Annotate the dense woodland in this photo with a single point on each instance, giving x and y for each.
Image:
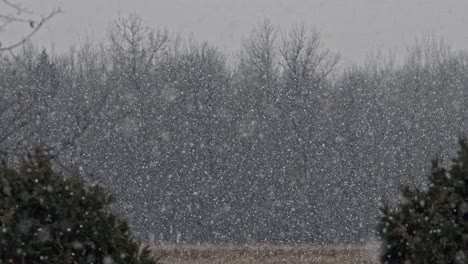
(281, 143)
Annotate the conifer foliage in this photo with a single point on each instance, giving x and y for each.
(46, 217)
(430, 225)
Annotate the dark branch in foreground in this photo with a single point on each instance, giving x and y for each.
(18, 8)
(35, 30)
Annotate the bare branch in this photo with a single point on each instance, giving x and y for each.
(10, 19)
(35, 30)
(160, 42)
(18, 8)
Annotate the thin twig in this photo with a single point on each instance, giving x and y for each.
(8, 18)
(39, 25)
(18, 8)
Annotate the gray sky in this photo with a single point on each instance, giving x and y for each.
(350, 27)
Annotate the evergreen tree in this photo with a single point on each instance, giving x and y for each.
(430, 225)
(48, 218)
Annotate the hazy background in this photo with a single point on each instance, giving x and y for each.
(270, 150)
(349, 27)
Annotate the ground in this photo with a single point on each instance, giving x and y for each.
(349, 254)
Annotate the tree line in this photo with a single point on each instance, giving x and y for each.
(280, 144)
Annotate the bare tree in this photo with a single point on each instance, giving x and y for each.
(258, 55)
(305, 67)
(14, 13)
(304, 59)
(134, 47)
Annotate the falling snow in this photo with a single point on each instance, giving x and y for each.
(281, 145)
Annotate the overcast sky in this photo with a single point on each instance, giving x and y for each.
(350, 27)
